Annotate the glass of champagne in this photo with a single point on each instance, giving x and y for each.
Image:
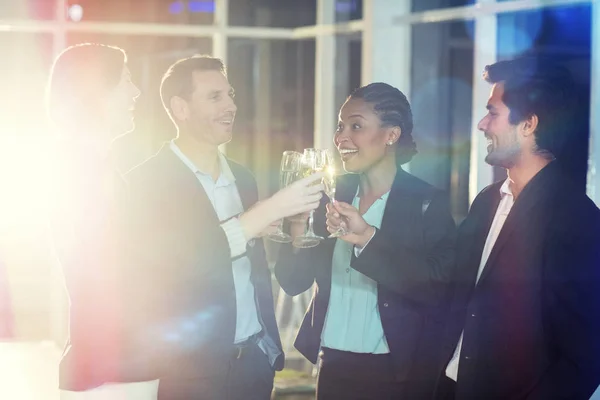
(290, 167)
(329, 182)
(313, 160)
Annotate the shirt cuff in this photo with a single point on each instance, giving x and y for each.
(235, 236)
(358, 250)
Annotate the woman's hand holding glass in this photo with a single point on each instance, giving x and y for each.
(340, 213)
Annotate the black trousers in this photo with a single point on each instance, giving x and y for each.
(355, 376)
(250, 377)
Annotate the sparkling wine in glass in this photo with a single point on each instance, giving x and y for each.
(329, 182)
(313, 160)
(290, 166)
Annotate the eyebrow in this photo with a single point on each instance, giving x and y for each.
(356, 116)
(219, 91)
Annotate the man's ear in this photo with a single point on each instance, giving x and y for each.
(179, 108)
(530, 125)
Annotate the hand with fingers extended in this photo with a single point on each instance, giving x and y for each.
(300, 197)
(340, 214)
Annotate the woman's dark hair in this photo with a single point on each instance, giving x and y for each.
(80, 76)
(533, 86)
(393, 109)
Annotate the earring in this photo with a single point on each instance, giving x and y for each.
(390, 143)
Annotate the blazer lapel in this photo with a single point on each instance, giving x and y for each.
(537, 190)
(245, 187)
(346, 188)
(398, 211)
(185, 180)
(474, 231)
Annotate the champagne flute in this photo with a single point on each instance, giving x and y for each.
(313, 160)
(329, 182)
(290, 166)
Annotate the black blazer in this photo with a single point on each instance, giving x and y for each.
(410, 258)
(181, 249)
(532, 322)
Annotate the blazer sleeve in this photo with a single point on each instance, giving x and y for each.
(572, 309)
(296, 270)
(418, 274)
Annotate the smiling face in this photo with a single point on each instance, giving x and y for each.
(210, 111)
(360, 138)
(504, 141)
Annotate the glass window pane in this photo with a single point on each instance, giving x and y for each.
(428, 5)
(25, 9)
(348, 10)
(441, 97)
(273, 13)
(562, 34)
(197, 12)
(274, 82)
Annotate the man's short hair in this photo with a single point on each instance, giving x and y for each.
(534, 86)
(178, 80)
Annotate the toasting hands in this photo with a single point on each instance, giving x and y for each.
(346, 215)
(300, 197)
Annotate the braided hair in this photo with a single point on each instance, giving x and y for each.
(393, 109)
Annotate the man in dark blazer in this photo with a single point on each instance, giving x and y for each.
(197, 224)
(525, 314)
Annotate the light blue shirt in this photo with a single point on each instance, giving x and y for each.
(353, 322)
(225, 199)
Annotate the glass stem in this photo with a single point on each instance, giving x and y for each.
(310, 232)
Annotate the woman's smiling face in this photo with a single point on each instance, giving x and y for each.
(360, 138)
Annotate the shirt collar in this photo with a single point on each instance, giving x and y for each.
(226, 175)
(505, 188)
(382, 197)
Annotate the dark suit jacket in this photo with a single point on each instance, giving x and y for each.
(532, 322)
(410, 258)
(190, 307)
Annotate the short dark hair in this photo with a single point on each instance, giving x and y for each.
(535, 86)
(179, 81)
(393, 109)
(79, 76)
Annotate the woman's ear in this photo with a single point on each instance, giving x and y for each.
(393, 135)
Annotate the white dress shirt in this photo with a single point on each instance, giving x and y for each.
(506, 203)
(352, 322)
(225, 199)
